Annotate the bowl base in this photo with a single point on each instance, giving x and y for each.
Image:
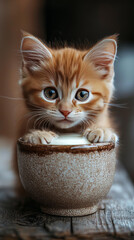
(70, 212)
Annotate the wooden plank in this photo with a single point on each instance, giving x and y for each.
(23, 233)
(58, 226)
(21, 218)
(116, 213)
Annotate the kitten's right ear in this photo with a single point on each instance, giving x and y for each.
(33, 52)
(102, 55)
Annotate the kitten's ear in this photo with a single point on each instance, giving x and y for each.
(102, 55)
(33, 52)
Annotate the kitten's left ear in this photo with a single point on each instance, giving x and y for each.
(33, 52)
(102, 55)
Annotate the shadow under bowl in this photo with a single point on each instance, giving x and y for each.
(67, 180)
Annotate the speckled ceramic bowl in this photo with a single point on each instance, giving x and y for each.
(67, 180)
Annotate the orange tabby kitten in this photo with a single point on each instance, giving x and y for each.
(68, 90)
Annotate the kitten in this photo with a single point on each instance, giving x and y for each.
(68, 90)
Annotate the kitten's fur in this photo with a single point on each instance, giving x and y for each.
(68, 70)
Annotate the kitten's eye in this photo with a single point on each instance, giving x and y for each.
(50, 93)
(82, 95)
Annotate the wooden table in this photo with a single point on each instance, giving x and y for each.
(22, 219)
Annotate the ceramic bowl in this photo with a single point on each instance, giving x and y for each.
(67, 180)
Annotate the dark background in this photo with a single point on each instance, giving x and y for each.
(81, 20)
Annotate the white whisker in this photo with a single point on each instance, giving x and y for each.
(116, 105)
(11, 98)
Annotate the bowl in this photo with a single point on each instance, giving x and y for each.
(67, 180)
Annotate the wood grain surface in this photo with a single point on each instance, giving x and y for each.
(22, 219)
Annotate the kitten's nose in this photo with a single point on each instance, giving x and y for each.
(65, 113)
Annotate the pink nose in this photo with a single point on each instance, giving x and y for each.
(65, 113)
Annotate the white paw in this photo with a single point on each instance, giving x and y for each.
(39, 137)
(101, 135)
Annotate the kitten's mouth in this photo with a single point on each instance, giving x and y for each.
(65, 120)
(65, 123)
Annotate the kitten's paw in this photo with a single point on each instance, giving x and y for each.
(101, 135)
(39, 137)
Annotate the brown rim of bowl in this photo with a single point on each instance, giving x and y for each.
(49, 149)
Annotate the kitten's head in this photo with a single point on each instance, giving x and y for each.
(67, 87)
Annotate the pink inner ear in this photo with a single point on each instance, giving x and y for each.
(102, 60)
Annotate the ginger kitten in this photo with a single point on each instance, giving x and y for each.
(68, 90)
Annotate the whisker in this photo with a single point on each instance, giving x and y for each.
(36, 121)
(11, 98)
(40, 123)
(36, 106)
(31, 113)
(34, 115)
(123, 105)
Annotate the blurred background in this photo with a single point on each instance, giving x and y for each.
(77, 22)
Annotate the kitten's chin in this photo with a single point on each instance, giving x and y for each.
(65, 124)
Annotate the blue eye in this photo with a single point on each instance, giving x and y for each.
(50, 93)
(82, 95)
